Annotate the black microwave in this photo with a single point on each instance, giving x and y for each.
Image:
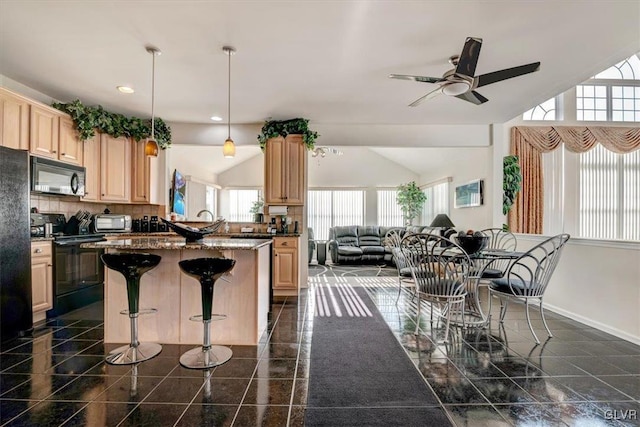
(53, 177)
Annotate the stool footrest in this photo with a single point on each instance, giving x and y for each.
(214, 317)
(199, 358)
(142, 311)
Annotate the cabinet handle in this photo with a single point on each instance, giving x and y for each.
(38, 251)
(102, 194)
(54, 151)
(276, 254)
(284, 243)
(62, 154)
(49, 265)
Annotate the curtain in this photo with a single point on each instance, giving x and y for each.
(529, 142)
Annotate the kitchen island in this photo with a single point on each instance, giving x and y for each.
(242, 295)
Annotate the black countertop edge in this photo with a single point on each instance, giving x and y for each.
(224, 235)
(42, 239)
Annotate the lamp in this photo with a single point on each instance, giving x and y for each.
(229, 148)
(151, 147)
(442, 221)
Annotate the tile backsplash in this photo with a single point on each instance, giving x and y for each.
(69, 205)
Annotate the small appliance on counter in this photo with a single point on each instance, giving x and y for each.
(112, 223)
(148, 225)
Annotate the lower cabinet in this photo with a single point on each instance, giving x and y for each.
(285, 266)
(41, 279)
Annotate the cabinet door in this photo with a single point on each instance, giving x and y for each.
(91, 162)
(274, 191)
(140, 170)
(43, 132)
(294, 165)
(41, 283)
(70, 146)
(115, 169)
(285, 268)
(14, 121)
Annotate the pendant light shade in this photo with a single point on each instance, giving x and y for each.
(229, 148)
(151, 147)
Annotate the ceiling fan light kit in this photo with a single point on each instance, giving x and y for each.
(461, 81)
(151, 146)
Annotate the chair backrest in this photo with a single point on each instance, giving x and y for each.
(500, 239)
(392, 240)
(439, 267)
(344, 235)
(536, 266)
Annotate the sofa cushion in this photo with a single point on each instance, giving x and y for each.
(372, 249)
(369, 236)
(344, 235)
(349, 250)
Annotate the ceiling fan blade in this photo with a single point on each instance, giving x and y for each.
(508, 73)
(430, 95)
(469, 57)
(473, 97)
(421, 79)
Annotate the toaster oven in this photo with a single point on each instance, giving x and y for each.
(112, 223)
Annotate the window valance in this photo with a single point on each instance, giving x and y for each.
(579, 139)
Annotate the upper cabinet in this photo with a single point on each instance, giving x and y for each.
(14, 121)
(43, 131)
(115, 169)
(285, 166)
(70, 148)
(140, 173)
(92, 165)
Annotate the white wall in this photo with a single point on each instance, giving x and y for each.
(21, 89)
(249, 173)
(194, 161)
(464, 165)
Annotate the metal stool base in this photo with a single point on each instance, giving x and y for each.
(198, 358)
(128, 355)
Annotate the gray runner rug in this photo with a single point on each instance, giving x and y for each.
(359, 373)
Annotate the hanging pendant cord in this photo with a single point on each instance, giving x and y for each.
(229, 98)
(153, 93)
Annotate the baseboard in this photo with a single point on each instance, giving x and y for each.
(590, 322)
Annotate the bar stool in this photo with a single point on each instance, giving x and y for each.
(207, 271)
(132, 266)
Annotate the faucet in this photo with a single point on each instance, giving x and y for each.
(206, 211)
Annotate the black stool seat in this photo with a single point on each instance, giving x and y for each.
(207, 271)
(132, 266)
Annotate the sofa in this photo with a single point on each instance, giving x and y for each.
(357, 244)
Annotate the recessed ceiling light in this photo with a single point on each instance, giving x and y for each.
(125, 89)
(216, 118)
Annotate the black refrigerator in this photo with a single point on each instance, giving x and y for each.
(16, 316)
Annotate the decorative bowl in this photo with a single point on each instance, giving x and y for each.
(472, 244)
(189, 233)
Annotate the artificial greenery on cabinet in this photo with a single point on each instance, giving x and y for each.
(511, 182)
(411, 199)
(275, 128)
(89, 118)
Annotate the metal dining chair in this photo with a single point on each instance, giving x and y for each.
(392, 240)
(502, 240)
(440, 270)
(527, 278)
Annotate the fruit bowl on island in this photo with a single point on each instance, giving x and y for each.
(193, 234)
(472, 242)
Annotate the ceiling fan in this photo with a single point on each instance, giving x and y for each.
(461, 81)
(322, 151)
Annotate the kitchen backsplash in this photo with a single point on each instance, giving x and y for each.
(70, 205)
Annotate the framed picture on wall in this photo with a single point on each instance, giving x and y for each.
(469, 195)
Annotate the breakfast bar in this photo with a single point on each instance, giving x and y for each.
(242, 295)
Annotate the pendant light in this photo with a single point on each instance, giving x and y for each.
(229, 148)
(151, 147)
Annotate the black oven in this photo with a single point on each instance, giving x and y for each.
(78, 273)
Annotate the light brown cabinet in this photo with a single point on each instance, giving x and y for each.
(140, 173)
(70, 148)
(115, 169)
(285, 167)
(14, 121)
(43, 131)
(41, 279)
(285, 265)
(91, 162)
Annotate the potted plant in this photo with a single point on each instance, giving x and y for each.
(275, 128)
(256, 210)
(411, 199)
(512, 178)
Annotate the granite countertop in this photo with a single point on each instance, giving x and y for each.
(42, 239)
(228, 235)
(177, 243)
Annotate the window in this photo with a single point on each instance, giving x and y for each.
(545, 111)
(389, 212)
(593, 195)
(210, 200)
(240, 202)
(328, 208)
(437, 201)
(612, 95)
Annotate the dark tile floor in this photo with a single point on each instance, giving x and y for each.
(581, 377)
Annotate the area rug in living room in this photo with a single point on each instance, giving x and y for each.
(359, 373)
